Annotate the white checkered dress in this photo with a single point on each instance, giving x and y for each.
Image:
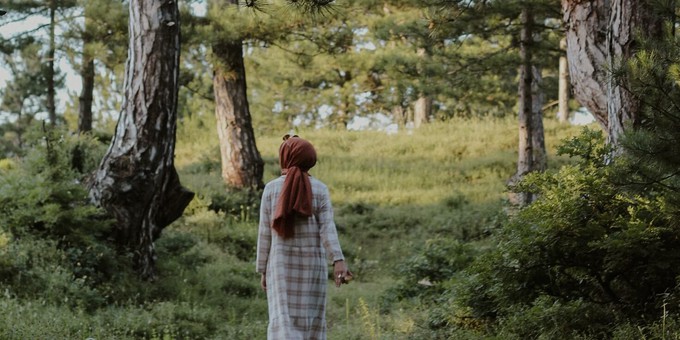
(296, 268)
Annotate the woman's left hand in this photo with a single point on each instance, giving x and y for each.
(339, 272)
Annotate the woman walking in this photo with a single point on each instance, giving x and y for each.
(296, 236)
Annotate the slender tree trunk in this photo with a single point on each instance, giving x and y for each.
(600, 35)
(525, 162)
(242, 165)
(422, 111)
(423, 107)
(399, 115)
(51, 92)
(563, 88)
(86, 95)
(137, 181)
(540, 156)
(87, 77)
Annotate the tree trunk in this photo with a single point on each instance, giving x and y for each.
(525, 158)
(540, 156)
(137, 181)
(51, 92)
(87, 77)
(422, 111)
(242, 165)
(399, 115)
(600, 35)
(563, 88)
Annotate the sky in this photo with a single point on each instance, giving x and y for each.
(72, 79)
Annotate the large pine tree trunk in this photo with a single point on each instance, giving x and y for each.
(600, 35)
(137, 181)
(242, 166)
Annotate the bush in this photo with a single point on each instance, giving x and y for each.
(55, 242)
(424, 274)
(588, 247)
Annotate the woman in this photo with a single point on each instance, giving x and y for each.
(296, 232)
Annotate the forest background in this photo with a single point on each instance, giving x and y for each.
(454, 226)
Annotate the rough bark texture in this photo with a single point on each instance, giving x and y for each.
(600, 35)
(242, 166)
(586, 27)
(422, 111)
(627, 16)
(137, 181)
(563, 87)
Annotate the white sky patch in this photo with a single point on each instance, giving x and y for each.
(360, 43)
(581, 117)
(324, 111)
(72, 83)
(374, 121)
(199, 9)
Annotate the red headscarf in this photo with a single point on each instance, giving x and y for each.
(296, 157)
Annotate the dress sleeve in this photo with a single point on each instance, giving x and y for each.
(264, 235)
(329, 234)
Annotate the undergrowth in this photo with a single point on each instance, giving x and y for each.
(411, 208)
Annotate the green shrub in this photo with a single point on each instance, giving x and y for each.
(424, 274)
(55, 241)
(588, 247)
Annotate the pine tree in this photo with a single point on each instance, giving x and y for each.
(23, 95)
(49, 9)
(137, 182)
(242, 165)
(535, 45)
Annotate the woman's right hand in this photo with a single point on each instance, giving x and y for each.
(263, 282)
(340, 272)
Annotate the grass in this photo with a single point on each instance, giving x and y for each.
(392, 195)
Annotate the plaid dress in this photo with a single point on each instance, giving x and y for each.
(296, 268)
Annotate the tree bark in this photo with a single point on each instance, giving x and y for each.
(51, 91)
(399, 115)
(242, 165)
(87, 77)
(600, 35)
(137, 181)
(525, 158)
(422, 111)
(563, 87)
(540, 156)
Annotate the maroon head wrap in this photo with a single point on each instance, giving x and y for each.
(296, 157)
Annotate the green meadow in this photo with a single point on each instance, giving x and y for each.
(396, 197)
